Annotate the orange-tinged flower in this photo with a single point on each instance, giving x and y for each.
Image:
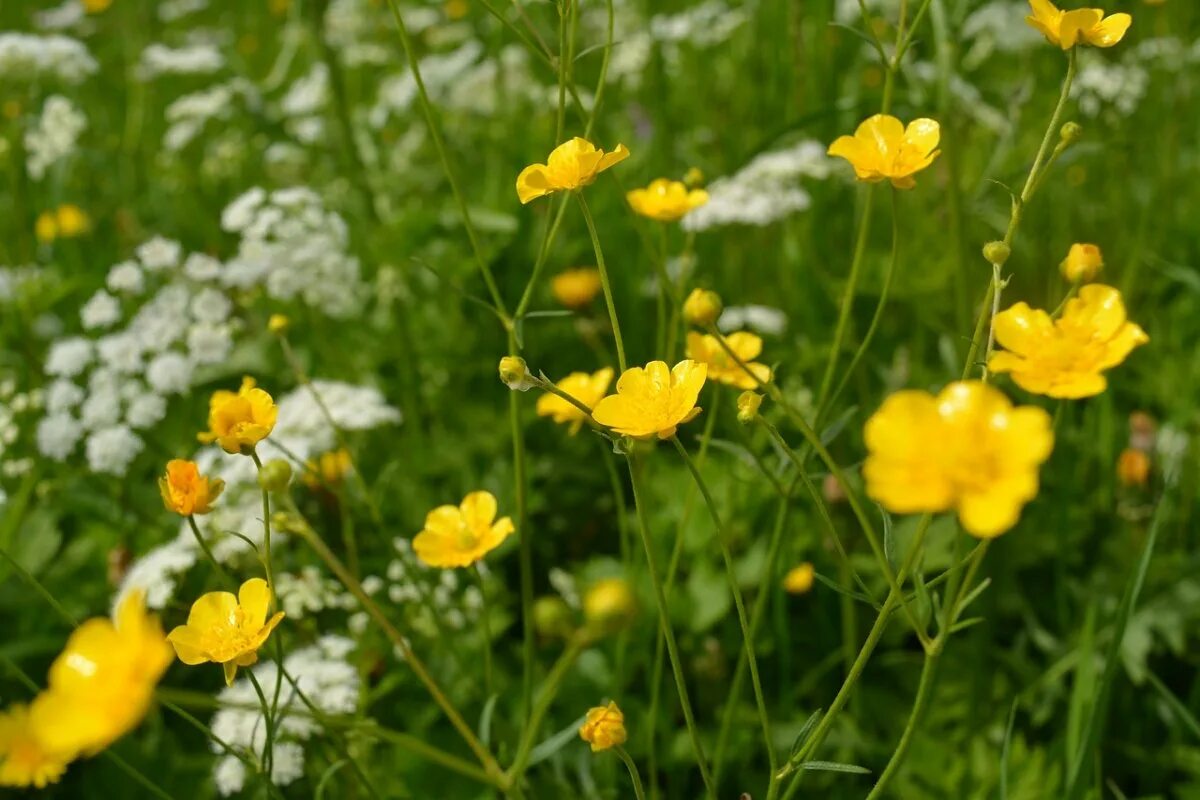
(799, 579)
(1082, 26)
(653, 400)
(101, 685)
(185, 491)
(587, 389)
(575, 288)
(227, 629)
(721, 367)
(1082, 263)
(572, 165)
(966, 449)
(25, 760)
(604, 727)
(883, 149)
(458, 536)
(1133, 467)
(666, 200)
(1066, 357)
(237, 421)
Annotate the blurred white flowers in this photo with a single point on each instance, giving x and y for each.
(53, 137)
(27, 57)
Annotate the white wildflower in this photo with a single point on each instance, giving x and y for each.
(201, 267)
(194, 59)
(169, 373)
(112, 449)
(68, 357)
(145, 411)
(27, 57)
(101, 311)
(159, 254)
(101, 409)
(53, 137)
(57, 435)
(62, 395)
(157, 572)
(210, 305)
(761, 319)
(121, 352)
(126, 277)
(209, 344)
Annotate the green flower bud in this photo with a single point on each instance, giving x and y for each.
(275, 475)
(997, 253)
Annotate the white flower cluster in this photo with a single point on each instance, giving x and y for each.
(456, 605)
(764, 191)
(187, 115)
(174, 10)
(760, 319)
(16, 281)
(352, 27)
(295, 248)
(199, 58)
(1103, 84)
(310, 592)
(303, 105)
(14, 404)
(327, 680)
(705, 25)
(68, 15)
(28, 57)
(52, 138)
(440, 71)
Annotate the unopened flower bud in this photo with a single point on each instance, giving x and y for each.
(515, 373)
(278, 323)
(275, 475)
(1070, 133)
(702, 307)
(1082, 263)
(799, 579)
(997, 253)
(552, 619)
(693, 177)
(748, 403)
(609, 604)
(1133, 467)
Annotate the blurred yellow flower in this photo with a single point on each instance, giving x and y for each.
(278, 323)
(575, 288)
(459, 536)
(604, 727)
(609, 602)
(748, 403)
(1082, 26)
(654, 400)
(1065, 357)
(587, 389)
(665, 200)
(226, 629)
(882, 148)
(328, 469)
(1082, 263)
(24, 759)
(1133, 467)
(966, 449)
(799, 579)
(65, 222)
(96, 6)
(101, 685)
(237, 421)
(702, 307)
(185, 491)
(721, 367)
(572, 165)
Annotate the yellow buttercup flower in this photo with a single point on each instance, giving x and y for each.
(575, 288)
(654, 400)
(185, 491)
(1082, 26)
(237, 421)
(666, 200)
(572, 165)
(101, 685)
(702, 307)
(966, 449)
(748, 403)
(721, 367)
(883, 149)
(1082, 263)
(609, 602)
(604, 727)
(226, 629)
(587, 389)
(1066, 357)
(278, 324)
(25, 760)
(328, 469)
(65, 222)
(458, 536)
(799, 579)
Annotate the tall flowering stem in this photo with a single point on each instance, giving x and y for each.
(191, 519)
(266, 510)
(604, 282)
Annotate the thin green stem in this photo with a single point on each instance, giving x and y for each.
(638, 792)
(525, 547)
(924, 694)
(539, 264)
(268, 752)
(545, 697)
(220, 570)
(485, 632)
(266, 511)
(604, 281)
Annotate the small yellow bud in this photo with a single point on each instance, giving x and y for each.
(799, 579)
(748, 403)
(609, 604)
(693, 178)
(604, 727)
(1082, 263)
(702, 307)
(278, 323)
(552, 619)
(275, 475)
(515, 373)
(1070, 133)
(997, 253)
(1133, 467)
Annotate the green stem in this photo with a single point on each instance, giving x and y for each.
(485, 633)
(638, 792)
(525, 543)
(924, 694)
(207, 550)
(266, 510)
(543, 253)
(268, 753)
(604, 282)
(664, 621)
(545, 697)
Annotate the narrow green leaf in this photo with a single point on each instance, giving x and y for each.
(556, 742)
(833, 766)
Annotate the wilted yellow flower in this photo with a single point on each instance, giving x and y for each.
(604, 727)
(665, 200)
(702, 307)
(572, 165)
(1082, 26)
(101, 685)
(227, 629)
(1133, 467)
(25, 760)
(185, 491)
(1066, 357)
(654, 400)
(575, 288)
(587, 389)
(609, 603)
(1082, 263)
(882, 148)
(328, 469)
(966, 449)
(799, 579)
(278, 323)
(458, 536)
(721, 367)
(237, 421)
(748, 403)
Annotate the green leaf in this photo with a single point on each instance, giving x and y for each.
(805, 731)
(556, 742)
(834, 766)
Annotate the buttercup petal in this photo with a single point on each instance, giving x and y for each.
(444, 520)
(988, 514)
(747, 346)
(1021, 329)
(619, 154)
(212, 609)
(230, 672)
(923, 134)
(478, 510)
(1110, 30)
(254, 597)
(189, 645)
(1127, 338)
(533, 182)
